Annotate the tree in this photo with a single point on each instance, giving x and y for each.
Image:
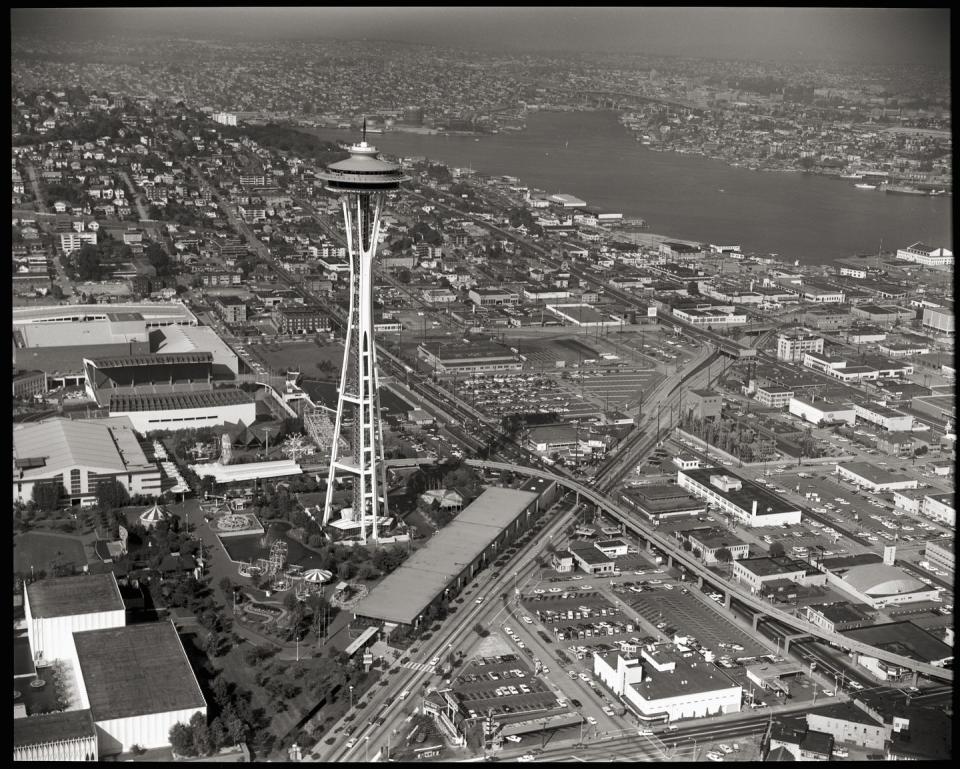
(345, 570)
(724, 555)
(201, 735)
(46, 495)
(776, 550)
(88, 263)
(111, 495)
(159, 259)
(404, 276)
(181, 739)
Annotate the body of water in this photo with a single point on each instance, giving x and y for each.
(590, 155)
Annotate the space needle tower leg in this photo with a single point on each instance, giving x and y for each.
(361, 181)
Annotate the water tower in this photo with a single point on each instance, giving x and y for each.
(361, 181)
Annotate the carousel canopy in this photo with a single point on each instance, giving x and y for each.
(155, 513)
(317, 575)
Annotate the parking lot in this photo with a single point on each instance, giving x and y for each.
(501, 394)
(685, 614)
(502, 684)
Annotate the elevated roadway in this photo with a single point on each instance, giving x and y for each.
(733, 591)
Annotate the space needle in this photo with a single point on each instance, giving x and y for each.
(361, 181)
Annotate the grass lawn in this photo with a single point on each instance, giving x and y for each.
(38, 550)
(304, 356)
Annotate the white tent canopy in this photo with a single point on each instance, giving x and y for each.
(248, 472)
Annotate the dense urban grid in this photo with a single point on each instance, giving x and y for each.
(646, 498)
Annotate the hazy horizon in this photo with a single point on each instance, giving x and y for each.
(853, 35)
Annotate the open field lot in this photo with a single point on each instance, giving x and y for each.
(308, 356)
(687, 615)
(39, 550)
(623, 388)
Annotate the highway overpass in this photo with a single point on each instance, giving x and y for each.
(676, 552)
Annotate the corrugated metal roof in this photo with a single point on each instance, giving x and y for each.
(178, 400)
(95, 444)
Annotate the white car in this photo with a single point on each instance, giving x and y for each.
(586, 587)
(591, 720)
(526, 757)
(725, 748)
(434, 662)
(479, 600)
(556, 590)
(351, 742)
(714, 756)
(527, 619)
(512, 738)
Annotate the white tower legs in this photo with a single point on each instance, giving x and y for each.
(358, 375)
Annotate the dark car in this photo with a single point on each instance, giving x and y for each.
(576, 703)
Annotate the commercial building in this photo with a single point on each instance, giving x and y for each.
(903, 638)
(849, 725)
(822, 411)
(926, 256)
(884, 417)
(662, 686)
(868, 476)
(748, 502)
(818, 293)
(78, 455)
(710, 317)
(838, 616)
(940, 508)
(791, 346)
(474, 358)
(591, 559)
(74, 241)
(709, 540)
(791, 744)
(756, 572)
(881, 314)
(939, 319)
(26, 384)
(106, 377)
(493, 297)
(941, 554)
(452, 557)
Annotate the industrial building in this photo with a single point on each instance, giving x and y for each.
(838, 616)
(661, 686)
(703, 403)
(822, 411)
(940, 508)
(78, 455)
(474, 358)
(661, 502)
(883, 416)
(868, 476)
(452, 557)
(848, 724)
(921, 254)
(756, 572)
(748, 502)
(939, 319)
(903, 638)
(774, 397)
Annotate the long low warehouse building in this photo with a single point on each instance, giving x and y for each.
(451, 558)
(748, 502)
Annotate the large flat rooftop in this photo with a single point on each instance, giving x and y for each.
(68, 596)
(745, 496)
(136, 670)
(406, 592)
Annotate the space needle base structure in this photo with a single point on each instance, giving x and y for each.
(362, 182)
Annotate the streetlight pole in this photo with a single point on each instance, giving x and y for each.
(351, 696)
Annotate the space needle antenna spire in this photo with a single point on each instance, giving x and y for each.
(361, 182)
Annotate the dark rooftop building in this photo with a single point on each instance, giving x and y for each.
(136, 670)
(68, 596)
